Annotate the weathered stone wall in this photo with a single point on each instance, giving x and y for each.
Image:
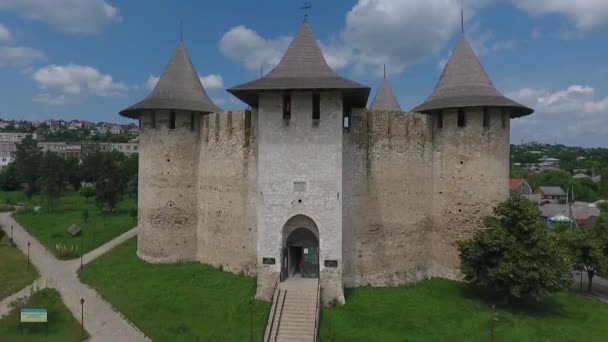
(388, 186)
(300, 152)
(471, 175)
(167, 199)
(226, 188)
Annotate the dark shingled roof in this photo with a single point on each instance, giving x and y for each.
(179, 88)
(385, 99)
(303, 67)
(464, 83)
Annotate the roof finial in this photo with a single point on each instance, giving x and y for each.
(462, 16)
(307, 7)
(385, 71)
(181, 31)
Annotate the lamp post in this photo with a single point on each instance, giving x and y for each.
(82, 316)
(12, 240)
(28, 256)
(81, 250)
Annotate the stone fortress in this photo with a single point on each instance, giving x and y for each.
(309, 183)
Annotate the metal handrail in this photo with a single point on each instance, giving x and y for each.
(277, 294)
(317, 312)
(280, 316)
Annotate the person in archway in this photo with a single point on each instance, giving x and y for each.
(301, 266)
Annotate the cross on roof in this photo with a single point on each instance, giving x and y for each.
(307, 7)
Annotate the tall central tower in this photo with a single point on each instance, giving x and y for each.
(302, 105)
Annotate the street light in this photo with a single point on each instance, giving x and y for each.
(82, 316)
(28, 256)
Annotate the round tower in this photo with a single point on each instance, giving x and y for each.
(169, 120)
(471, 131)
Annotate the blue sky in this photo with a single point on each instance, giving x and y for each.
(89, 59)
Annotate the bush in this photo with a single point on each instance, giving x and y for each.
(6, 208)
(516, 257)
(66, 252)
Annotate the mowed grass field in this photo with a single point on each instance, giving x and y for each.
(61, 326)
(443, 310)
(14, 271)
(50, 226)
(180, 302)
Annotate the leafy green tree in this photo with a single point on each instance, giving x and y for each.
(9, 178)
(51, 181)
(27, 162)
(110, 185)
(87, 192)
(586, 253)
(72, 172)
(515, 256)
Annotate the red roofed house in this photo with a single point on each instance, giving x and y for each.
(520, 186)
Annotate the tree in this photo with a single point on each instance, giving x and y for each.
(515, 256)
(87, 192)
(585, 249)
(27, 161)
(9, 178)
(51, 172)
(110, 185)
(72, 173)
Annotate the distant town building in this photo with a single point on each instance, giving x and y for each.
(15, 137)
(520, 186)
(553, 194)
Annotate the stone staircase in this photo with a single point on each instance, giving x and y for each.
(295, 311)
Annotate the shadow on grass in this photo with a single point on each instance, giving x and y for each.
(548, 307)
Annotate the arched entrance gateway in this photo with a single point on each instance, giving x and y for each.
(300, 256)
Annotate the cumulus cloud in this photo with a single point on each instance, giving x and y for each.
(413, 28)
(19, 56)
(68, 83)
(76, 16)
(575, 115)
(5, 34)
(576, 99)
(586, 14)
(249, 48)
(210, 82)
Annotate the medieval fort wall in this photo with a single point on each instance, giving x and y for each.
(167, 199)
(471, 175)
(226, 189)
(387, 181)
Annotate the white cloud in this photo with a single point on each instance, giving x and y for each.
(576, 99)
(213, 81)
(5, 34)
(19, 56)
(586, 14)
(77, 16)
(68, 83)
(249, 48)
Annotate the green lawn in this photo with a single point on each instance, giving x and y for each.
(182, 302)
(49, 226)
(442, 310)
(14, 273)
(61, 326)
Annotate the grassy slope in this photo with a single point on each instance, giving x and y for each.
(14, 273)
(441, 310)
(183, 302)
(49, 227)
(61, 326)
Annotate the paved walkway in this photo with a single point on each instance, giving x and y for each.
(100, 320)
(599, 287)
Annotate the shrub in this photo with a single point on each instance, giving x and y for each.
(66, 252)
(516, 257)
(6, 208)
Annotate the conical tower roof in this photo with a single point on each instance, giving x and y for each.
(464, 83)
(385, 98)
(303, 67)
(179, 88)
